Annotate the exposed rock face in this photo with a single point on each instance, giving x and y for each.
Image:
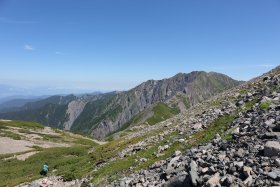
(74, 109)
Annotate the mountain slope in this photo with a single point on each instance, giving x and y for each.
(193, 88)
(107, 113)
(13, 104)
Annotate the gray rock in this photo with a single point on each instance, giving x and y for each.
(214, 180)
(275, 174)
(197, 126)
(269, 122)
(238, 164)
(122, 184)
(248, 181)
(193, 173)
(277, 162)
(272, 148)
(240, 103)
(276, 128)
(249, 94)
(240, 153)
(222, 157)
(204, 170)
(181, 140)
(272, 175)
(143, 160)
(236, 131)
(226, 180)
(177, 153)
(178, 181)
(247, 171)
(270, 135)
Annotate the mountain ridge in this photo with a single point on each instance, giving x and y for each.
(107, 113)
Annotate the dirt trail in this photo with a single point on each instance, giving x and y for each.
(98, 142)
(26, 155)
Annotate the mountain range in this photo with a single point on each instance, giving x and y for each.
(100, 115)
(230, 139)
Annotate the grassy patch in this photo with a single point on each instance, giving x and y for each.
(84, 141)
(25, 131)
(50, 137)
(5, 133)
(219, 126)
(228, 134)
(8, 155)
(251, 103)
(3, 127)
(37, 148)
(65, 160)
(243, 92)
(265, 105)
(22, 124)
(162, 112)
(115, 169)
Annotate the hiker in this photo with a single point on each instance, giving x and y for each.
(45, 169)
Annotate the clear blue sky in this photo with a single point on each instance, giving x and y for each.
(116, 44)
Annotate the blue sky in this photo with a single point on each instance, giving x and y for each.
(117, 44)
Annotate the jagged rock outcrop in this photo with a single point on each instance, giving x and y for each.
(74, 109)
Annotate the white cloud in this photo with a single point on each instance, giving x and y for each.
(28, 47)
(266, 65)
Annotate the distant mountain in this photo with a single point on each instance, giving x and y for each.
(8, 92)
(103, 114)
(13, 104)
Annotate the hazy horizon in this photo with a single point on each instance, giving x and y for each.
(22, 91)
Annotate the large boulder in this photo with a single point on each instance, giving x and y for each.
(193, 173)
(178, 181)
(272, 148)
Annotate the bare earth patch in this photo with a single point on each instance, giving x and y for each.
(8, 145)
(98, 142)
(5, 120)
(26, 155)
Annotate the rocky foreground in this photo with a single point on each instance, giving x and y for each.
(250, 158)
(57, 182)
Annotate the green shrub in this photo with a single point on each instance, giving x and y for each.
(22, 124)
(65, 159)
(265, 105)
(69, 176)
(162, 112)
(10, 134)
